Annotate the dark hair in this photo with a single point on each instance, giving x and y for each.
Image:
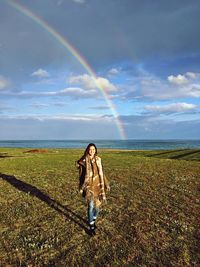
(87, 149)
(86, 152)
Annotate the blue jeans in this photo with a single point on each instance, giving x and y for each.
(93, 212)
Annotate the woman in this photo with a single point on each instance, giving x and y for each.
(92, 183)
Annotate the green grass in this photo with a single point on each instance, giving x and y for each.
(150, 218)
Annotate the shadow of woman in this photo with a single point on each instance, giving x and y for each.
(34, 191)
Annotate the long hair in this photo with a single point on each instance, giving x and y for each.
(86, 152)
(87, 149)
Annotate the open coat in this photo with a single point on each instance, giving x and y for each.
(92, 180)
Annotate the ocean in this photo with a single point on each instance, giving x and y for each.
(110, 144)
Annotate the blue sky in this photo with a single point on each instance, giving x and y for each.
(146, 56)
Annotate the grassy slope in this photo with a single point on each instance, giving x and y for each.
(150, 218)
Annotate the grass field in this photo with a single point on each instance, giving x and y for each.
(150, 219)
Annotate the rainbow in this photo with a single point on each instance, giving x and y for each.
(65, 43)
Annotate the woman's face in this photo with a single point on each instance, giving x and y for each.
(91, 151)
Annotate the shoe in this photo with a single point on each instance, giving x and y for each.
(92, 226)
(94, 220)
(92, 230)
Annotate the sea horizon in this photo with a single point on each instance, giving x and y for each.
(132, 144)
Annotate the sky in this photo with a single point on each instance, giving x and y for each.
(99, 69)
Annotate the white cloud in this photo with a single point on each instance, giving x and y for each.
(77, 93)
(41, 117)
(72, 117)
(91, 83)
(79, 1)
(60, 104)
(158, 127)
(178, 80)
(45, 81)
(99, 107)
(60, 126)
(106, 85)
(144, 87)
(192, 75)
(73, 92)
(39, 105)
(3, 83)
(40, 73)
(153, 88)
(195, 90)
(113, 71)
(172, 108)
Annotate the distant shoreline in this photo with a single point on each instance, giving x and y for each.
(122, 145)
(29, 150)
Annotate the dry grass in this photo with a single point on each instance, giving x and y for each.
(151, 216)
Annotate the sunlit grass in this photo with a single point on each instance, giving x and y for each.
(150, 218)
